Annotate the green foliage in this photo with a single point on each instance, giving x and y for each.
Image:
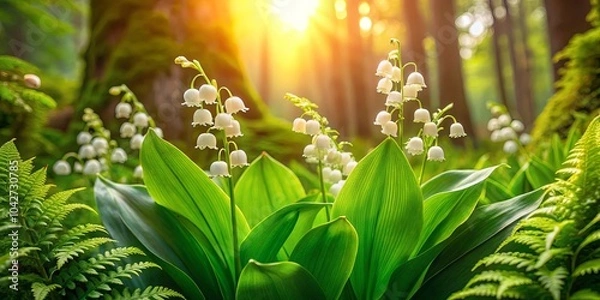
(556, 247)
(43, 257)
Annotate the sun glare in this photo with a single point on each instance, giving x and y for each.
(295, 14)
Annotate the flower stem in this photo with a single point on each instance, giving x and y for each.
(236, 243)
(322, 183)
(423, 163)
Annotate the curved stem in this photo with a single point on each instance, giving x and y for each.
(423, 164)
(322, 183)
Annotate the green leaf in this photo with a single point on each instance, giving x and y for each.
(538, 173)
(175, 182)
(134, 219)
(328, 253)
(519, 183)
(265, 187)
(283, 280)
(382, 200)
(496, 191)
(446, 208)
(585, 294)
(269, 236)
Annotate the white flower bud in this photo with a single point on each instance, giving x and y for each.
(493, 124)
(422, 116)
(92, 167)
(335, 176)
(118, 156)
(430, 129)
(159, 132)
(233, 130)
(235, 104)
(206, 140)
(84, 137)
(336, 187)
(414, 146)
(123, 110)
(100, 145)
(382, 118)
(390, 128)
(416, 78)
(140, 120)
(517, 125)
(393, 98)
(435, 153)
(496, 110)
(136, 141)
(525, 139)
(313, 127)
(77, 167)
(504, 120)
(87, 151)
(202, 117)
(208, 93)
(496, 136)
(323, 142)
(238, 158)
(62, 168)
(384, 85)
(127, 130)
(457, 130)
(333, 157)
(507, 133)
(349, 167)
(138, 172)
(191, 98)
(223, 120)
(510, 147)
(396, 74)
(32, 81)
(346, 157)
(299, 125)
(103, 163)
(310, 151)
(219, 168)
(411, 91)
(180, 59)
(326, 172)
(384, 69)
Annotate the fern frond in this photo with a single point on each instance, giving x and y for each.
(492, 276)
(485, 290)
(586, 294)
(516, 259)
(98, 286)
(56, 209)
(78, 232)
(554, 253)
(531, 238)
(40, 291)
(68, 252)
(588, 267)
(157, 292)
(543, 224)
(553, 281)
(589, 239)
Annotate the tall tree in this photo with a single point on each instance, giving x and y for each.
(413, 47)
(451, 84)
(565, 19)
(497, 27)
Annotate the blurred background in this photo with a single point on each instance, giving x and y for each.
(471, 52)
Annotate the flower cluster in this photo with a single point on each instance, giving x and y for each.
(97, 150)
(223, 122)
(334, 164)
(399, 92)
(505, 129)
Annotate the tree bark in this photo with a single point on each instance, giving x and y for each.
(413, 48)
(565, 19)
(499, 65)
(451, 85)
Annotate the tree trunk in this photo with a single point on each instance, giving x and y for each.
(499, 65)
(413, 48)
(451, 85)
(565, 19)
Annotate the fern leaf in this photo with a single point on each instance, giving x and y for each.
(483, 290)
(114, 278)
(157, 292)
(588, 267)
(66, 253)
(517, 259)
(589, 239)
(586, 294)
(543, 224)
(530, 238)
(554, 253)
(79, 231)
(41, 291)
(553, 281)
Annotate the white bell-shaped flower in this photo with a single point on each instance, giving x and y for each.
(496, 136)
(416, 78)
(62, 168)
(32, 81)
(140, 119)
(430, 129)
(238, 158)
(323, 142)
(313, 127)
(127, 130)
(92, 167)
(118, 156)
(309, 151)
(206, 140)
(333, 157)
(87, 151)
(335, 176)
(233, 130)
(299, 125)
(504, 120)
(103, 163)
(84, 137)
(384, 85)
(223, 120)
(510, 147)
(396, 74)
(336, 188)
(207, 93)
(422, 115)
(435, 153)
(457, 130)
(346, 157)
(390, 128)
(191, 98)
(219, 168)
(349, 167)
(493, 124)
(202, 117)
(507, 133)
(414, 146)
(384, 69)
(235, 104)
(393, 98)
(517, 125)
(326, 172)
(123, 110)
(411, 91)
(159, 132)
(525, 139)
(100, 144)
(138, 172)
(136, 141)
(382, 118)
(77, 167)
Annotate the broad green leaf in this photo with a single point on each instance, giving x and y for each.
(382, 200)
(175, 182)
(519, 183)
(134, 219)
(283, 280)
(479, 236)
(445, 209)
(538, 173)
(269, 236)
(495, 191)
(265, 187)
(328, 253)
